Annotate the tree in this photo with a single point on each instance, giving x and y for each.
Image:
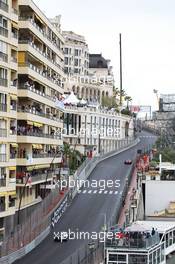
(128, 99)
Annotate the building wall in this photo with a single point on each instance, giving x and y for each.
(158, 195)
(8, 114)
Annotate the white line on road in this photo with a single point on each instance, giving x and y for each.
(89, 191)
(100, 192)
(110, 192)
(84, 191)
(95, 191)
(116, 192)
(105, 192)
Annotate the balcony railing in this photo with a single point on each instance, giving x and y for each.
(3, 82)
(2, 182)
(35, 112)
(30, 88)
(21, 18)
(40, 177)
(3, 157)
(37, 134)
(4, 6)
(3, 32)
(3, 132)
(41, 52)
(44, 155)
(3, 56)
(3, 108)
(41, 72)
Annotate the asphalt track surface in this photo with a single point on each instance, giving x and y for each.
(88, 209)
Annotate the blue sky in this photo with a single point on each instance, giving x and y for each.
(148, 36)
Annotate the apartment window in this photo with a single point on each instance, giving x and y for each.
(66, 60)
(70, 50)
(76, 62)
(66, 50)
(80, 62)
(3, 22)
(76, 52)
(79, 52)
(3, 47)
(66, 69)
(75, 70)
(3, 98)
(3, 73)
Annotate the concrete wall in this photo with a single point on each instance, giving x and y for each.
(158, 195)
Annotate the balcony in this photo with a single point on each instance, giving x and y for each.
(32, 110)
(31, 44)
(31, 133)
(3, 108)
(40, 30)
(37, 92)
(3, 82)
(3, 32)
(35, 179)
(4, 6)
(3, 57)
(3, 132)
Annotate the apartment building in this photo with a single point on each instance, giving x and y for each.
(93, 130)
(40, 75)
(76, 54)
(8, 111)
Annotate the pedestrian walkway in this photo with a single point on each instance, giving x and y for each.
(127, 202)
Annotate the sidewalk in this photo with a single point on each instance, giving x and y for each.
(131, 191)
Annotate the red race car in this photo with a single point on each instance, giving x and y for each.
(128, 162)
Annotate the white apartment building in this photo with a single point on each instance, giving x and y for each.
(94, 130)
(76, 54)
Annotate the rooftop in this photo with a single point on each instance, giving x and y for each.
(161, 226)
(97, 61)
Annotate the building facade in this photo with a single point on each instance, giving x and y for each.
(31, 74)
(40, 71)
(8, 109)
(76, 54)
(90, 129)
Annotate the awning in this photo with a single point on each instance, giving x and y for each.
(42, 166)
(15, 25)
(12, 168)
(37, 124)
(39, 19)
(12, 193)
(30, 123)
(7, 193)
(13, 97)
(34, 124)
(37, 146)
(14, 145)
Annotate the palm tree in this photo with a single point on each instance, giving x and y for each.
(128, 99)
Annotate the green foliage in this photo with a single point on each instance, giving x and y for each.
(168, 153)
(109, 102)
